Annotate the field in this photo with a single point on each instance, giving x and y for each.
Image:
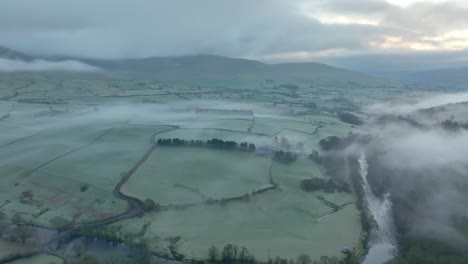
(285, 222)
(175, 175)
(55, 167)
(68, 142)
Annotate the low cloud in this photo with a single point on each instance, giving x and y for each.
(403, 108)
(425, 172)
(44, 65)
(422, 167)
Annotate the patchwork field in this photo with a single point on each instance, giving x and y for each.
(286, 222)
(70, 172)
(67, 143)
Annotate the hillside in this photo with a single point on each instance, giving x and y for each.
(219, 67)
(6, 53)
(212, 67)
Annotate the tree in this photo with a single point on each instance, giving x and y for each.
(213, 254)
(315, 156)
(149, 204)
(21, 234)
(284, 157)
(60, 223)
(349, 118)
(304, 259)
(252, 147)
(229, 254)
(329, 143)
(244, 256)
(279, 260)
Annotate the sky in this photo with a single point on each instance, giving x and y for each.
(380, 35)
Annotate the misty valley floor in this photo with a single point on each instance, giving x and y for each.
(68, 143)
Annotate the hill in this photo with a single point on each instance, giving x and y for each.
(203, 67)
(219, 67)
(6, 53)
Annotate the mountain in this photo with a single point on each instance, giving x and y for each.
(6, 53)
(216, 67)
(450, 79)
(175, 67)
(211, 66)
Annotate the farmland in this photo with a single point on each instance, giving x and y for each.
(81, 148)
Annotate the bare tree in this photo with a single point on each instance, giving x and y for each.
(21, 233)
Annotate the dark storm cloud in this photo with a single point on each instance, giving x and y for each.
(270, 30)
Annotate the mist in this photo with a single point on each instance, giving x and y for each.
(7, 65)
(423, 168)
(418, 102)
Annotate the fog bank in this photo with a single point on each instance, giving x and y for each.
(7, 65)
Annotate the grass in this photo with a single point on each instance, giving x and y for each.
(56, 186)
(101, 163)
(277, 223)
(175, 175)
(272, 126)
(284, 222)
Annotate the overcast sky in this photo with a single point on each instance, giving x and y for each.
(360, 34)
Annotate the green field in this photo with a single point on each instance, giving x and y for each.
(68, 141)
(55, 166)
(177, 175)
(285, 222)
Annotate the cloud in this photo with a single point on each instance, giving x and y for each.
(43, 65)
(254, 29)
(419, 103)
(423, 168)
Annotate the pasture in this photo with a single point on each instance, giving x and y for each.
(67, 142)
(178, 175)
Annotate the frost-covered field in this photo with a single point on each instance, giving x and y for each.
(65, 144)
(178, 175)
(284, 222)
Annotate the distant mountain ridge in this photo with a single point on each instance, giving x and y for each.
(209, 67)
(213, 66)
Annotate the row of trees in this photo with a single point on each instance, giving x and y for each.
(231, 254)
(213, 143)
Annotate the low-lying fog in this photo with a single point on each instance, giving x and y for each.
(422, 164)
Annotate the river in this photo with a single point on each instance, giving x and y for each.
(382, 240)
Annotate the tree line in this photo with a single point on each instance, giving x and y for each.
(233, 254)
(214, 143)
